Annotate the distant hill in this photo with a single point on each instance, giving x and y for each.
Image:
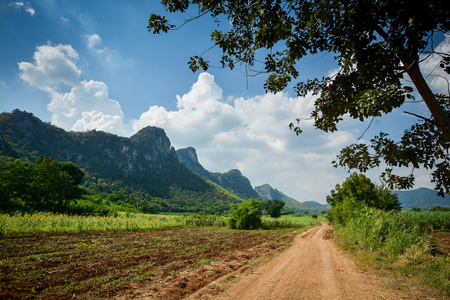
(422, 198)
(233, 180)
(266, 192)
(145, 163)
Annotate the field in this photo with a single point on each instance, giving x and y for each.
(126, 261)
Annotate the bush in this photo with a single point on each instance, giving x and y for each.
(246, 215)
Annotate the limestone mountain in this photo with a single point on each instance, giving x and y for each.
(145, 162)
(266, 192)
(233, 180)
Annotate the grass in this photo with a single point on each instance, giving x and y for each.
(402, 243)
(61, 223)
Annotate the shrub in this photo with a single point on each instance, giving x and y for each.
(246, 215)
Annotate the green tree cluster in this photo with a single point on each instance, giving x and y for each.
(246, 215)
(358, 192)
(42, 185)
(375, 43)
(273, 208)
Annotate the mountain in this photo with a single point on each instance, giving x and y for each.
(145, 162)
(233, 180)
(423, 198)
(266, 192)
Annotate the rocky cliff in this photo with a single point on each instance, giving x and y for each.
(146, 160)
(232, 180)
(266, 192)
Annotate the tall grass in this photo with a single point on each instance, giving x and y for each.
(387, 232)
(400, 242)
(428, 220)
(61, 223)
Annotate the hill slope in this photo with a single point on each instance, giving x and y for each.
(233, 180)
(145, 162)
(266, 192)
(423, 198)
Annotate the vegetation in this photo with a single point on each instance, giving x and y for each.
(367, 220)
(273, 208)
(356, 193)
(246, 215)
(375, 44)
(119, 172)
(401, 242)
(43, 185)
(50, 223)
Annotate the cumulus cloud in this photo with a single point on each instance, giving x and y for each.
(23, 5)
(52, 66)
(87, 105)
(252, 135)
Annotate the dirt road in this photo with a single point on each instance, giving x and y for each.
(311, 269)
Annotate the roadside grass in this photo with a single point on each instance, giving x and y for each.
(167, 263)
(403, 244)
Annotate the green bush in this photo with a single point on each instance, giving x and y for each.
(246, 215)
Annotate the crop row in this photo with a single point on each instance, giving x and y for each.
(62, 223)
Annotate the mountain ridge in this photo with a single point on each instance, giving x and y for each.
(145, 162)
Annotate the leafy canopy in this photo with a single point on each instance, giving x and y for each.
(375, 44)
(273, 208)
(246, 215)
(358, 192)
(43, 185)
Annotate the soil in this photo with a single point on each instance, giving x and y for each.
(311, 269)
(158, 264)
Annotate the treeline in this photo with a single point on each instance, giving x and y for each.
(48, 185)
(43, 185)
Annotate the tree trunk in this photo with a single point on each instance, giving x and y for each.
(439, 115)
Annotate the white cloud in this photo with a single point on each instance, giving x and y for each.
(22, 5)
(64, 19)
(438, 80)
(87, 105)
(53, 66)
(30, 10)
(253, 136)
(94, 42)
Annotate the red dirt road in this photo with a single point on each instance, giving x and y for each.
(311, 269)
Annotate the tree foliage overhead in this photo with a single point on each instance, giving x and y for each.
(375, 44)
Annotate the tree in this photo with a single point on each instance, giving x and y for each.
(363, 190)
(375, 44)
(273, 207)
(246, 215)
(43, 185)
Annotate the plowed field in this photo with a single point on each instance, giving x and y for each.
(166, 263)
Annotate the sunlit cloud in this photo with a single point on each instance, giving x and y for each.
(52, 66)
(86, 106)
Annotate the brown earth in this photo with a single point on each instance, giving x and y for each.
(311, 269)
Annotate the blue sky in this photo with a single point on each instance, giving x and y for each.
(93, 64)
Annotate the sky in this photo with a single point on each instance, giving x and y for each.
(84, 65)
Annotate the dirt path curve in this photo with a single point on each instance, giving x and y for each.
(311, 269)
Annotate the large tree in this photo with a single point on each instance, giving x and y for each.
(375, 43)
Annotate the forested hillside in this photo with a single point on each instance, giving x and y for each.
(142, 171)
